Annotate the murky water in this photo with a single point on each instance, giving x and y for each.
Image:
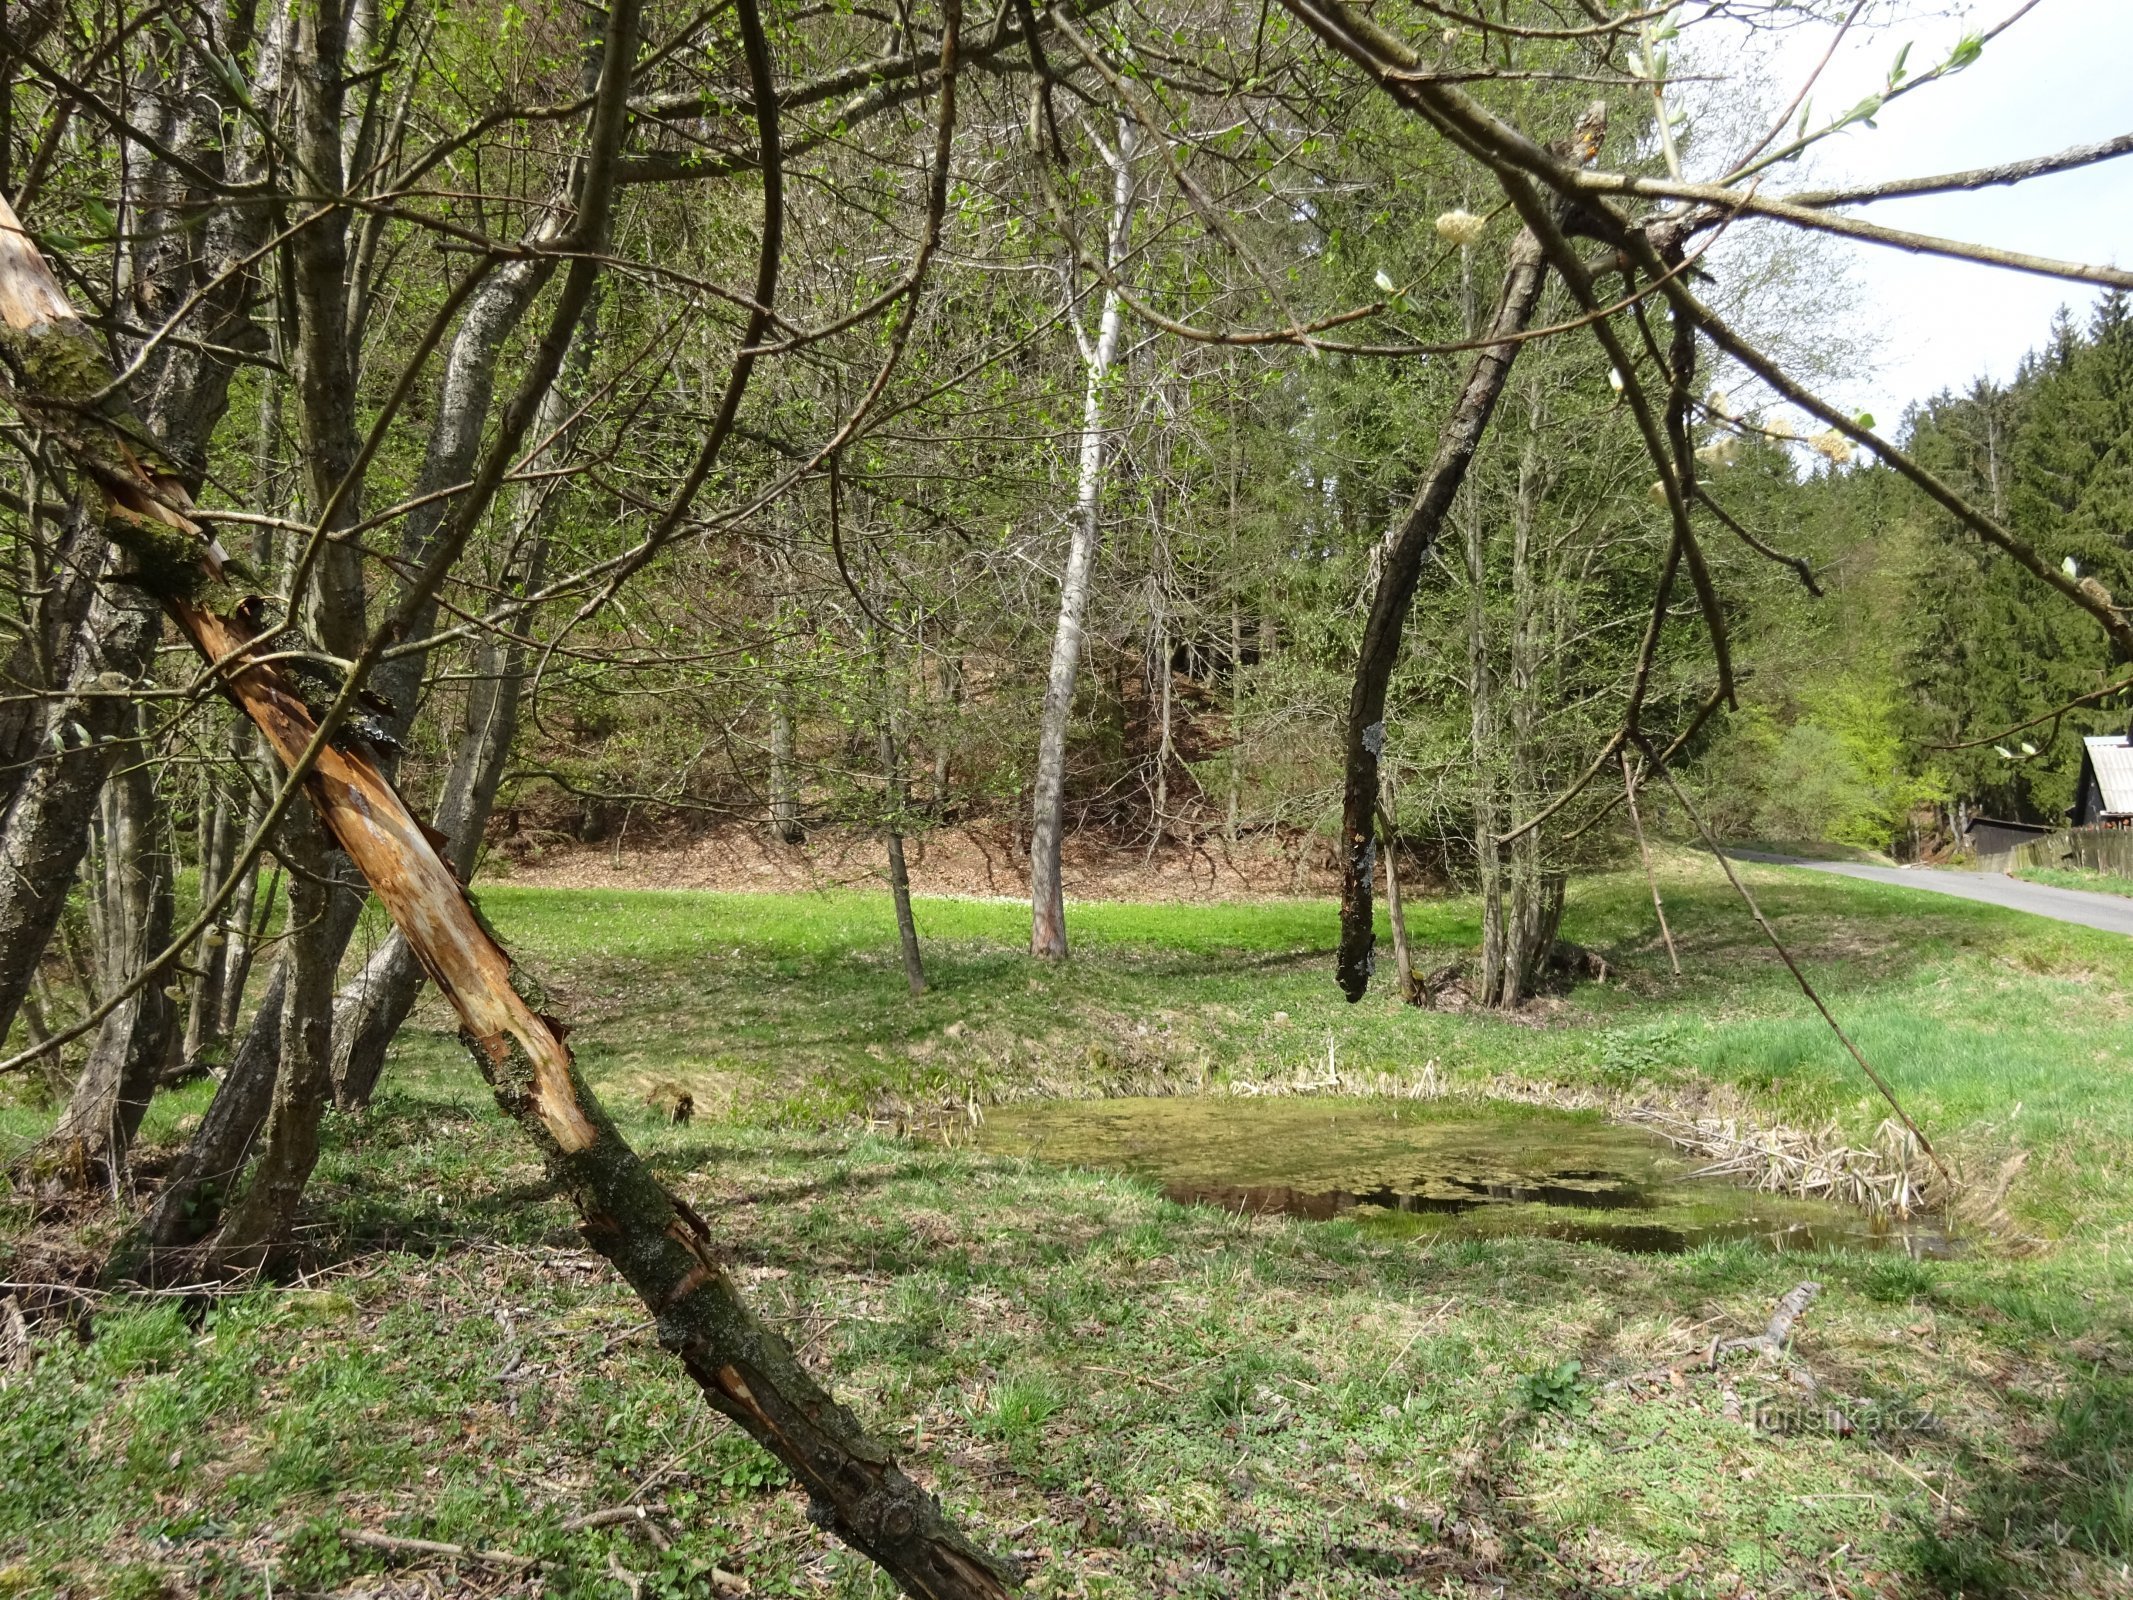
(1435, 1169)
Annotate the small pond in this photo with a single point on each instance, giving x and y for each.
(1436, 1169)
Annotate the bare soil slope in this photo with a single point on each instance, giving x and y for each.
(969, 860)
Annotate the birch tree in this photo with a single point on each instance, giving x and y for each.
(1099, 353)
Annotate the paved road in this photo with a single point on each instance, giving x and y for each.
(2110, 912)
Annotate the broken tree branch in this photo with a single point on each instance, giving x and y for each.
(658, 1244)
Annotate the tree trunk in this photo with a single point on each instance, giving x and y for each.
(257, 1227)
(188, 1203)
(131, 1048)
(1048, 804)
(944, 741)
(42, 657)
(1531, 924)
(661, 1248)
(46, 830)
(1414, 986)
(186, 387)
(244, 920)
(325, 363)
(1406, 549)
(370, 1011)
(899, 876)
(1164, 746)
(218, 842)
(1236, 685)
(784, 786)
(1484, 743)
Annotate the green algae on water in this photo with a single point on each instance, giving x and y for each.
(1434, 1169)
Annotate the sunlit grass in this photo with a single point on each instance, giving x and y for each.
(1156, 1399)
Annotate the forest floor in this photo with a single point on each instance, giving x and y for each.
(966, 859)
(1144, 1398)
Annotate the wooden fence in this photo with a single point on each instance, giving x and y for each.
(2093, 849)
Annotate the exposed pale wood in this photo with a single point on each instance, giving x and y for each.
(660, 1246)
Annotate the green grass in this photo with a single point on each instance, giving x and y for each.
(1149, 1399)
(2078, 878)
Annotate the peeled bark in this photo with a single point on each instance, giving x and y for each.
(1048, 806)
(369, 1012)
(371, 1009)
(660, 1247)
(1407, 547)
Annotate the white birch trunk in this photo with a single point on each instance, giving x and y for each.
(1047, 812)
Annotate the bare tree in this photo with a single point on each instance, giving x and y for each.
(1099, 352)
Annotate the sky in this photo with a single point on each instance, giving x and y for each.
(2061, 76)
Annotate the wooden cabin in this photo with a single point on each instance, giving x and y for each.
(2103, 797)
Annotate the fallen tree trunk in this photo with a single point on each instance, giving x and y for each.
(659, 1246)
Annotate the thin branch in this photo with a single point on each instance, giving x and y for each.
(1785, 956)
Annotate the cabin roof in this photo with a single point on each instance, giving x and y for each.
(2110, 757)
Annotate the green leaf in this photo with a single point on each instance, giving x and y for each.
(1896, 72)
(1865, 419)
(1967, 50)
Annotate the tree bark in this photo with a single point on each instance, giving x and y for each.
(1048, 938)
(1165, 746)
(892, 770)
(131, 1048)
(186, 388)
(1531, 923)
(660, 1247)
(189, 1202)
(41, 658)
(255, 1229)
(325, 361)
(218, 842)
(1406, 548)
(1484, 747)
(370, 1010)
(1414, 986)
(46, 830)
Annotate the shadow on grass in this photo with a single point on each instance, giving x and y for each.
(389, 1193)
(2072, 1491)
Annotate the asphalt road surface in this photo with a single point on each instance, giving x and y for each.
(2110, 912)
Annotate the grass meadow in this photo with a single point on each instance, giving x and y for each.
(1142, 1398)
